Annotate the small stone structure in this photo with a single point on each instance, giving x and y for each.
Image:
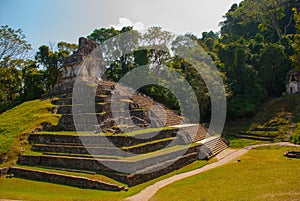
(73, 64)
(3, 171)
(293, 82)
(292, 154)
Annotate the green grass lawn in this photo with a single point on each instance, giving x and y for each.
(237, 143)
(262, 174)
(18, 122)
(16, 188)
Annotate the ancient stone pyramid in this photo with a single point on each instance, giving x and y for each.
(150, 140)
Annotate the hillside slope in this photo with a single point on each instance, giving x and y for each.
(282, 113)
(17, 123)
(277, 120)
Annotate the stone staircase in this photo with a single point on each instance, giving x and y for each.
(215, 145)
(140, 109)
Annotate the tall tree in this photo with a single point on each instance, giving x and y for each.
(51, 61)
(273, 18)
(10, 83)
(33, 81)
(118, 46)
(159, 41)
(13, 44)
(13, 49)
(296, 57)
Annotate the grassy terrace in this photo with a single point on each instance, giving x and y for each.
(159, 152)
(73, 173)
(240, 143)
(85, 156)
(86, 133)
(149, 143)
(263, 174)
(131, 158)
(236, 142)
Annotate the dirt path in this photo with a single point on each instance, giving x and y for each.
(290, 133)
(223, 158)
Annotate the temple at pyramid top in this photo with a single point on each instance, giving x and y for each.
(73, 65)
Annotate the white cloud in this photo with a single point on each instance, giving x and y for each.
(123, 21)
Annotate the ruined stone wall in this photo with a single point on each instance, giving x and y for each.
(77, 64)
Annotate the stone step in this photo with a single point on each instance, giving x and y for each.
(215, 144)
(103, 150)
(141, 162)
(152, 146)
(95, 128)
(84, 108)
(158, 170)
(74, 144)
(253, 137)
(104, 91)
(120, 140)
(131, 136)
(67, 149)
(68, 100)
(108, 126)
(85, 156)
(269, 134)
(129, 164)
(86, 118)
(62, 101)
(265, 129)
(221, 146)
(105, 118)
(64, 179)
(84, 100)
(78, 163)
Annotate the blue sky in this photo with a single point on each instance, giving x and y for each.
(45, 21)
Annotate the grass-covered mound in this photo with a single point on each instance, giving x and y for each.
(277, 116)
(271, 123)
(262, 174)
(17, 123)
